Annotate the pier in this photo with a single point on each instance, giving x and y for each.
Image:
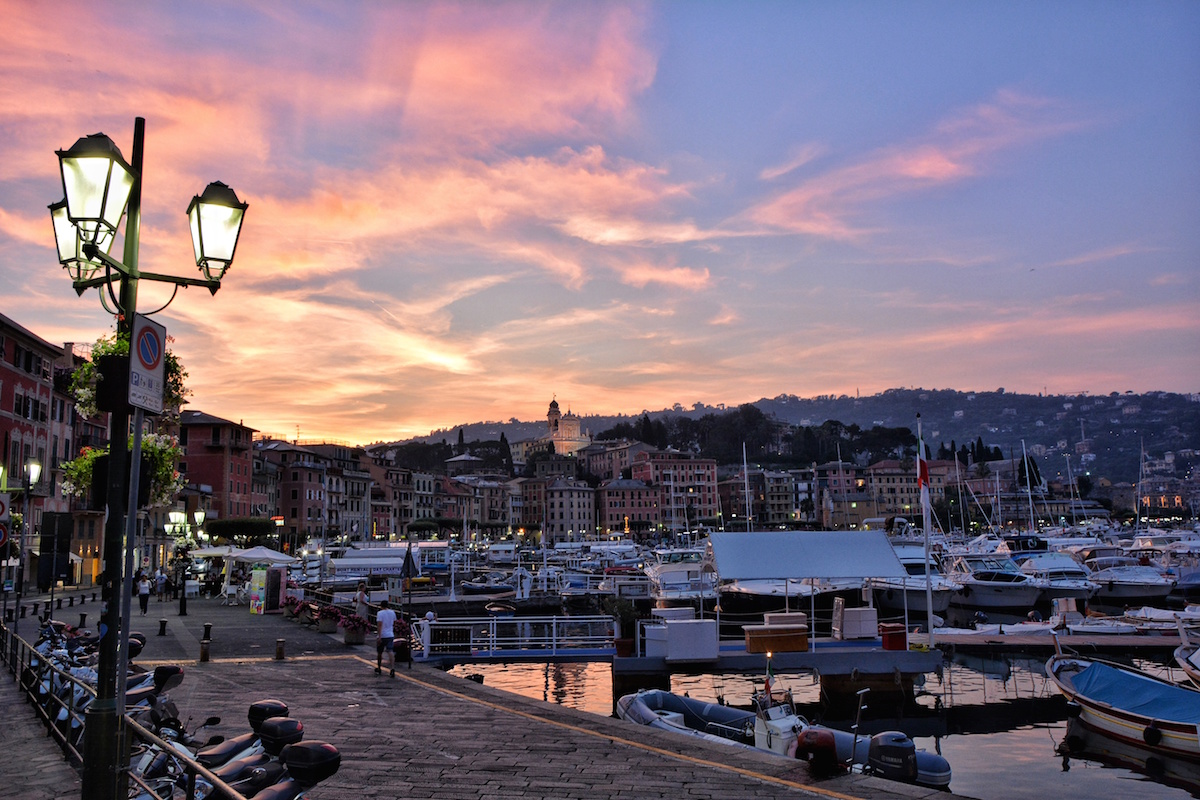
(427, 734)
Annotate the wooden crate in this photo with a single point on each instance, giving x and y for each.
(776, 638)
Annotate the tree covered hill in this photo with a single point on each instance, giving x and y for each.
(1102, 434)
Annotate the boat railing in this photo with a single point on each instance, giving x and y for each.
(728, 731)
(491, 637)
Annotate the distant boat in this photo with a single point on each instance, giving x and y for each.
(682, 576)
(992, 582)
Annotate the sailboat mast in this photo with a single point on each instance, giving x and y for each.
(1028, 486)
(746, 487)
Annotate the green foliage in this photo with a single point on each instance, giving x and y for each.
(244, 531)
(159, 450)
(623, 611)
(83, 380)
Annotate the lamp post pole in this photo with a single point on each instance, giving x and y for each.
(100, 189)
(33, 471)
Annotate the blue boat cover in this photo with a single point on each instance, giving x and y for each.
(1138, 694)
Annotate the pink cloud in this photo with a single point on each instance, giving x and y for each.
(960, 147)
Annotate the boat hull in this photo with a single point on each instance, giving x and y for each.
(1130, 706)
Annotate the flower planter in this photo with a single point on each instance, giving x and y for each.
(355, 637)
(326, 625)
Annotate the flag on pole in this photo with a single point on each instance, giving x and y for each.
(922, 474)
(770, 681)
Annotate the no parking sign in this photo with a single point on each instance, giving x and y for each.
(147, 364)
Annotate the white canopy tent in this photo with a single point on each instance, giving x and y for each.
(804, 555)
(262, 555)
(756, 555)
(224, 551)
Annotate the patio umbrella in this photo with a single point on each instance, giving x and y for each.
(262, 555)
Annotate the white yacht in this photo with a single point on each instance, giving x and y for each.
(1065, 577)
(992, 582)
(895, 595)
(682, 575)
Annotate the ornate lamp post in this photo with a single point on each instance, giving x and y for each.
(33, 471)
(100, 189)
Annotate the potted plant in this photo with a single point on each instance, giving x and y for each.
(291, 606)
(354, 628)
(625, 613)
(327, 619)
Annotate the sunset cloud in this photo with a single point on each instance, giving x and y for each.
(460, 210)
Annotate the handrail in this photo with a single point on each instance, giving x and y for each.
(495, 635)
(17, 655)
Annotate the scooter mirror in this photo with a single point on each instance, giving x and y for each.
(214, 740)
(208, 723)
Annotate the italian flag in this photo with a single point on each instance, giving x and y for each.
(770, 680)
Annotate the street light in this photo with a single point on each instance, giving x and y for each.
(100, 190)
(33, 471)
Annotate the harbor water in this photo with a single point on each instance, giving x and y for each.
(999, 722)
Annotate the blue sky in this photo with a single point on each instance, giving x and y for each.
(459, 211)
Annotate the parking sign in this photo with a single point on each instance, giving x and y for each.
(147, 364)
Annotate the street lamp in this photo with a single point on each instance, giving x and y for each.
(100, 189)
(33, 471)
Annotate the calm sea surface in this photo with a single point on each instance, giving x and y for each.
(1003, 719)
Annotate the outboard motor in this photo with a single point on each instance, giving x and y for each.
(893, 755)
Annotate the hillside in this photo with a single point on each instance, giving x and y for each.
(1114, 428)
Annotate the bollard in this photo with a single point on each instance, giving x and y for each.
(279, 649)
(8, 615)
(83, 620)
(58, 604)
(82, 598)
(204, 649)
(162, 627)
(22, 612)
(183, 604)
(93, 597)
(47, 612)
(208, 630)
(70, 602)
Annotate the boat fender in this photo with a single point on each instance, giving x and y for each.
(1152, 735)
(1075, 744)
(1110, 586)
(890, 594)
(818, 746)
(1074, 709)
(966, 591)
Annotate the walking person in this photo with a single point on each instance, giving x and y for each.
(161, 581)
(385, 622)
(362, 602)
(143, 588)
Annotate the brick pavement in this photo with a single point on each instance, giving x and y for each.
(426, 734)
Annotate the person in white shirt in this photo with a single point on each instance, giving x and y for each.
(385, 621)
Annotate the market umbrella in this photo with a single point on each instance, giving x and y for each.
(262, 555)
(409, 571)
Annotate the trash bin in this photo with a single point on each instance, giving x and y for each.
(894, 636)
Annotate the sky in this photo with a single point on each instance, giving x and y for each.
(460, 211)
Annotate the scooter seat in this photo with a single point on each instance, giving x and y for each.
(220, 753)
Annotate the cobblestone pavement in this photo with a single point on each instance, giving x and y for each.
(422, 734)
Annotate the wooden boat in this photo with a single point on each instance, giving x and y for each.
(775, 727)
(1187, 655)
(1129, 705)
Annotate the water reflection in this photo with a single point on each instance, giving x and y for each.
(1000, 722)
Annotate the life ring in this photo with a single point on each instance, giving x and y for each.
(1152, 735)
(1030, 544)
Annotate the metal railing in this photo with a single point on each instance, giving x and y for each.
(60, 700)
(497, 637)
